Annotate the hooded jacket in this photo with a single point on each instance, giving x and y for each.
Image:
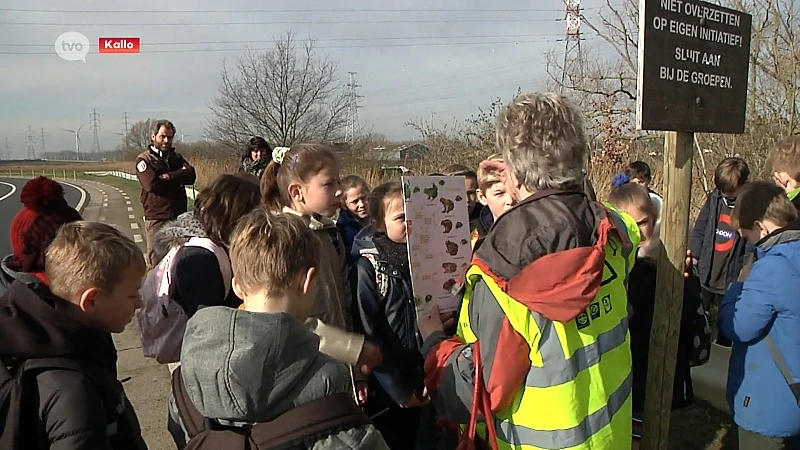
(242, 368)
(766, 303)
(548, 254)
(75, 411)
(391, 321)
(197, 279)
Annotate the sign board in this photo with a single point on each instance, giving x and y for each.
(439, 248)
(693, 67)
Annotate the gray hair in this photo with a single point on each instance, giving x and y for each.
(543, 141)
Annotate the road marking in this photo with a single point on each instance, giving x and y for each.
(127, 202)
(105, 204)
(130, 208)
(137, 238)
(134, 226)
(131, 216)
(101, 219)
(83, 199)
(13, 189)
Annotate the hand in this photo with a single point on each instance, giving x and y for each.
(448, 319)
(370, 357)
(430, 323)
(505, 176)
(689, 263)
(362, 392)
(416, 401)
(165, 177)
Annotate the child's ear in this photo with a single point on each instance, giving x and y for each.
(481, 196)
(296, 192)
(88, 299)
(309, 281)
(237, 288)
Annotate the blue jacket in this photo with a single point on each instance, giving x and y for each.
(349, 225)
(767, 302)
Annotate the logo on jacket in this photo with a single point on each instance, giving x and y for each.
(726, 236)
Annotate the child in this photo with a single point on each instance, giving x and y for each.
(639, 172)
(387, 314)
(761, 315)
(471, 181)
(90, 288)
(353, 213)
(44, 210)
(634, 200)
(492, 194)
(714, 242)
(304, 181)
(541, 295)
(784, 163)
(246, 367)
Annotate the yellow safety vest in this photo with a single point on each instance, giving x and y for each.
(577, 394)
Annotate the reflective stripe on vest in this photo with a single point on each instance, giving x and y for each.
(569, 362)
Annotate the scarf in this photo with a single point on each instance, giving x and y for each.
(255, 167)
(393, 253)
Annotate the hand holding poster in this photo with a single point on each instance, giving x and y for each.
(438, 233)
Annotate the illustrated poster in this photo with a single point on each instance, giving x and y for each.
(439, 248)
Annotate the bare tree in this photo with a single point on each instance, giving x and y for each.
(287, 94)
(138, 137)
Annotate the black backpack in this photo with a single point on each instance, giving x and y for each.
(316, 419)
(15, 396)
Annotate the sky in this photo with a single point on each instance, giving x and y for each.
(413, 60)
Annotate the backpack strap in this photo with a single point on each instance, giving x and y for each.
(784, 368)
(192, 420)
(323, 416)
(222, 258)
(381, 279)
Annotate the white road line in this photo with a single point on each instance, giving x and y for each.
(130, 208)
(127, 202)
(137, 238)
(13, 189)
(105, 204)
(101, 219)
(131, 216)
(134, 226)
(83, 199)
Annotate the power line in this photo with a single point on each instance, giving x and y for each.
(209, 50)
(283, 22)
(8, 149)
(250, 11)
(44, 151)
(572, 44)
(375, 38)
(95, 118)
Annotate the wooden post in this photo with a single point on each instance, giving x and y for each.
(666, 328)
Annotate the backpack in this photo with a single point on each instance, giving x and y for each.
(17, 400)
(162, 320)
(381, 279)
(315, 419)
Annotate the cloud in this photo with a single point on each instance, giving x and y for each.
(177, 74)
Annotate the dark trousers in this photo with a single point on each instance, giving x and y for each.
(150, 228)
(710, 298)
(398, 426)
(754, 441)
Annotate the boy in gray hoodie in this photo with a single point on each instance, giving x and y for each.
(243, 367)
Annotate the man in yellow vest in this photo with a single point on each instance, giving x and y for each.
(544, 313)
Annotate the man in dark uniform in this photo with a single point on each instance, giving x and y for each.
(163, 173)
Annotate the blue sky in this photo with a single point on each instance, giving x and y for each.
(176, 75)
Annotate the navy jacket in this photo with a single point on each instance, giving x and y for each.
(701, 242)
(349, 225)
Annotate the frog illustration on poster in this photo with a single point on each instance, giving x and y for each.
(438, 239)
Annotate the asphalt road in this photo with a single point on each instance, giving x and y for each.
(10, 205)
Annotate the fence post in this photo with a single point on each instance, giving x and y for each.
(74, 174)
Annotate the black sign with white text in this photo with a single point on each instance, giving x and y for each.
(693, 66)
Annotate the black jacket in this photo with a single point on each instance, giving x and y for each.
(641, 300)
(391, 321)
(72, 411)
(701, 242)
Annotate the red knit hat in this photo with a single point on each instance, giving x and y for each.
(34, 228)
